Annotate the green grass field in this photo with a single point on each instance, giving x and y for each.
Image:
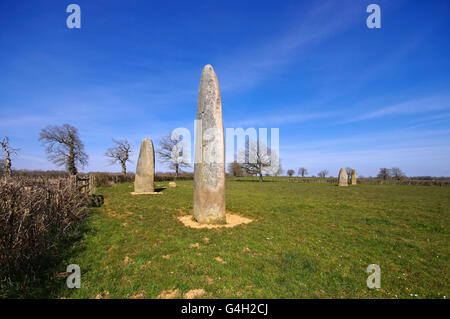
(307, 240)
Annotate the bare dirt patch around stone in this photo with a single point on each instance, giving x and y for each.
(146, 193)
(232, 221)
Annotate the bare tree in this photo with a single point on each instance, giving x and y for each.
(396, 173)
(384, 173)
(120, 153)
(64, 146)
(9, 153)
(170, 153)
(302, 171)
(235, 169)
(323, 173)
(258, 160)
(290, 172)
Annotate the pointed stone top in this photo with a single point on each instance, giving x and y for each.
(146, 143)
(209, 107)
(209, 71)
(208, 67)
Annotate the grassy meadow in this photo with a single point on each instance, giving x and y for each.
(307, 240)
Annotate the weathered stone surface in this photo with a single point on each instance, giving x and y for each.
(172, 184)
(354, 177)
(145, 169)
(209, 166)
(343, 177)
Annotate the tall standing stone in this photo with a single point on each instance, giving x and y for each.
(209, 166)
(145, 169)
(353, 176)
(343, 177)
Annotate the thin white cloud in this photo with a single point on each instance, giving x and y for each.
(247, 67)
(412, 106)
(395, 138)
(430, 120)
(23, 121)
(282, 117)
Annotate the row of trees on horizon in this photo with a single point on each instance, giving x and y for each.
(65, 148)
(239, 170)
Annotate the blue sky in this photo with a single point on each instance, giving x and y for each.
(340, 93)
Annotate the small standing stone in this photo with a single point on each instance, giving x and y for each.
(209, 166)
(172, 184)
(354, 177)
(145, 169)
(343, 177)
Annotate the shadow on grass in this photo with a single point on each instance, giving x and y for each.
(253, 180)
(48, 274)
(96, 200)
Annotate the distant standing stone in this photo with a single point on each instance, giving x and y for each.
(343, 177)
(145, 169)
(172, 184)
(209, 166)
(354, 177)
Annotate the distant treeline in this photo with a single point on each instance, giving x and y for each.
(108, 179)
(102, 178)
(39, 173)
(436, 181)
(445, 181)
(429, 178)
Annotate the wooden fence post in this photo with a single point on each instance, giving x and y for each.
(92, 184)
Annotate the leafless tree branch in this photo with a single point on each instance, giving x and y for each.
(120, 153)
(9, 153)
(170, 153)
(64, 146)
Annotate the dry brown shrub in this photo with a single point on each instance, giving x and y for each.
(35, 214)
